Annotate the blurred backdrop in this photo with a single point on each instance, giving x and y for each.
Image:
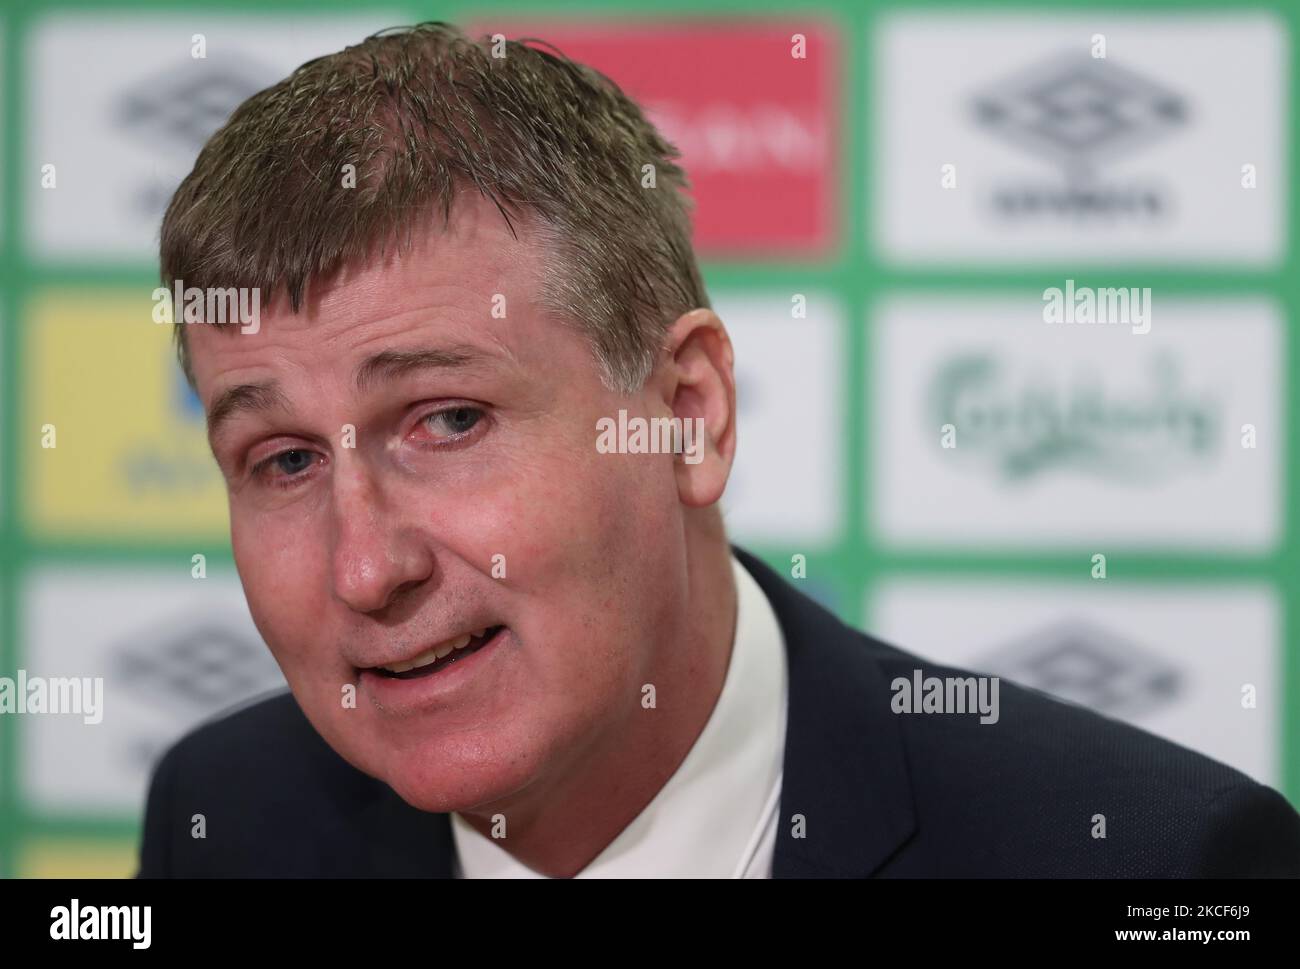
(884, 194)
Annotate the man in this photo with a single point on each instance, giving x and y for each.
(510, 651)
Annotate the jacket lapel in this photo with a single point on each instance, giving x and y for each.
(845, 773)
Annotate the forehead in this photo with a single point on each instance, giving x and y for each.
(472, 283)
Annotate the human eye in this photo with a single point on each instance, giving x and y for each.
(286, 468)
(453, 423)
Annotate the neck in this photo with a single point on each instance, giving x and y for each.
(559, 827)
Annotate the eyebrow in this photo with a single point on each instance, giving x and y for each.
(387, 364)
(244, 398)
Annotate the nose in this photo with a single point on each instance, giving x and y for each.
(376, 557)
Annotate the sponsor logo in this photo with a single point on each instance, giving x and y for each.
(1077, 112)
(173, 650)
(1016, 139)
(752, 109)
(1093, 667)
(141, 468)
(1195, 661)
(162, 86)
(1025, 434)
(195, 668)
(1033, 424)
(177, 110)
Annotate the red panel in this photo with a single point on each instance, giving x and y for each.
(757, 128)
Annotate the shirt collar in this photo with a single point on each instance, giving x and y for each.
(706, 819)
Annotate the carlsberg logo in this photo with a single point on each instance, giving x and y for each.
(1026, 419)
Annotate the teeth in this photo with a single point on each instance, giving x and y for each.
(458, 643)
(478, 633)
(431, 656)
(424, 659)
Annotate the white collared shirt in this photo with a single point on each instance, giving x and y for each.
(716, 817)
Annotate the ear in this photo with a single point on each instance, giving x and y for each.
(699, 387)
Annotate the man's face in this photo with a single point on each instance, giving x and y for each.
(414, 469)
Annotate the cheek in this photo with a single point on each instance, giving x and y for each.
(584, 521)
(589, 549)
(281, 573)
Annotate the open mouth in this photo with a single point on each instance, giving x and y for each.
(441, 656)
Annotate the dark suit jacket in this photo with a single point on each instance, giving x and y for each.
(883, 794)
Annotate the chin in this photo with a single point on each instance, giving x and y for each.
(444, 780)
(478, 768)
(461, 789)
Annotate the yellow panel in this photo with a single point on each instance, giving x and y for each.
(131, 458)
(77, 858)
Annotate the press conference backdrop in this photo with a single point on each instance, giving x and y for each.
(884, 194)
